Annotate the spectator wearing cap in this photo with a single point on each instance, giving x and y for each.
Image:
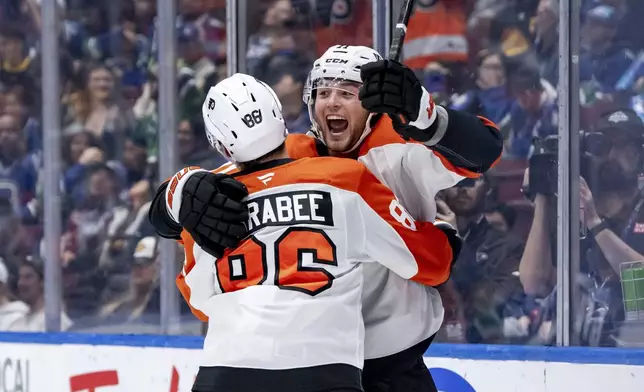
(534, 113)
(191, 51)
(31, 292)
(612, 201)
(139, 302)
(603, 59)
(484, 274)
(611, 212)
(11, 310)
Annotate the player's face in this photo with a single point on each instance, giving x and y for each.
(340, 116)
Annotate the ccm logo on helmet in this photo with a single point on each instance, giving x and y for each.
(337, 61)
(211, 104)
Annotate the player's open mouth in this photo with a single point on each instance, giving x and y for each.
(336, 124)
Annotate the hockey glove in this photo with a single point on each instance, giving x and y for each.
(393, 88)
(455, 241)
(212, 212)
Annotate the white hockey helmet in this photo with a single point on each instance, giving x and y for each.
(243, 118)
(340, 63)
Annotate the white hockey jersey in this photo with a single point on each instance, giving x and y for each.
(398, 313)
(290, 295)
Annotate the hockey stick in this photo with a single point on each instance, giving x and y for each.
(398, 39)
(400, 30)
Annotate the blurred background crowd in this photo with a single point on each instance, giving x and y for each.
(495, 58)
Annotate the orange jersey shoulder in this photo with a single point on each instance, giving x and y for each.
(301, 146)
(381, 134)
(338, 172)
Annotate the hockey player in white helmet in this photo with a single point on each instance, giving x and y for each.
(376, 111)
(284, 306)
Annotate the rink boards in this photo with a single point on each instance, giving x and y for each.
(110, 363)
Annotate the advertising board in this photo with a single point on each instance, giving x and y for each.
(121, 365)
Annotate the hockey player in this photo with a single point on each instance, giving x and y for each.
(376, 111)
(284, 306)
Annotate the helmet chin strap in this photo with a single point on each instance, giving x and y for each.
(367, 130)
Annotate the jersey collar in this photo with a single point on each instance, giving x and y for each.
(263, 166)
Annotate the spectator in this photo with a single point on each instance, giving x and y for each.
(193, 148)
(19, 63)
(534, 113)
(610, 211)
(192, 51)
(18, 106)
(81, 149)
(31, 291)
(489, 97)
(135, 159)
(145, 11)
(16, 165)
(603, 60)
(94, 108)
(547, 39)
(501, 218)
(274, 37)
(15, 240)
(139, 303)
(212, 30)
(484, 274)
(122, 48)
(10, 309)
(288, 84)
(91, 216)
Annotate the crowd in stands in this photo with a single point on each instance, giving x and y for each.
(494, 58)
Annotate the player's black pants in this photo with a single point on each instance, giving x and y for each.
(325, 378)
(401, 372)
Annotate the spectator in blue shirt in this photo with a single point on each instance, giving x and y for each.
(603, 60)
(489, 97)
(16, 165)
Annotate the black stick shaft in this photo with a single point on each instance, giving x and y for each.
(400, 30)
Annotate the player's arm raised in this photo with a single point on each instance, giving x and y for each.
(467, 145)
(412, 249)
